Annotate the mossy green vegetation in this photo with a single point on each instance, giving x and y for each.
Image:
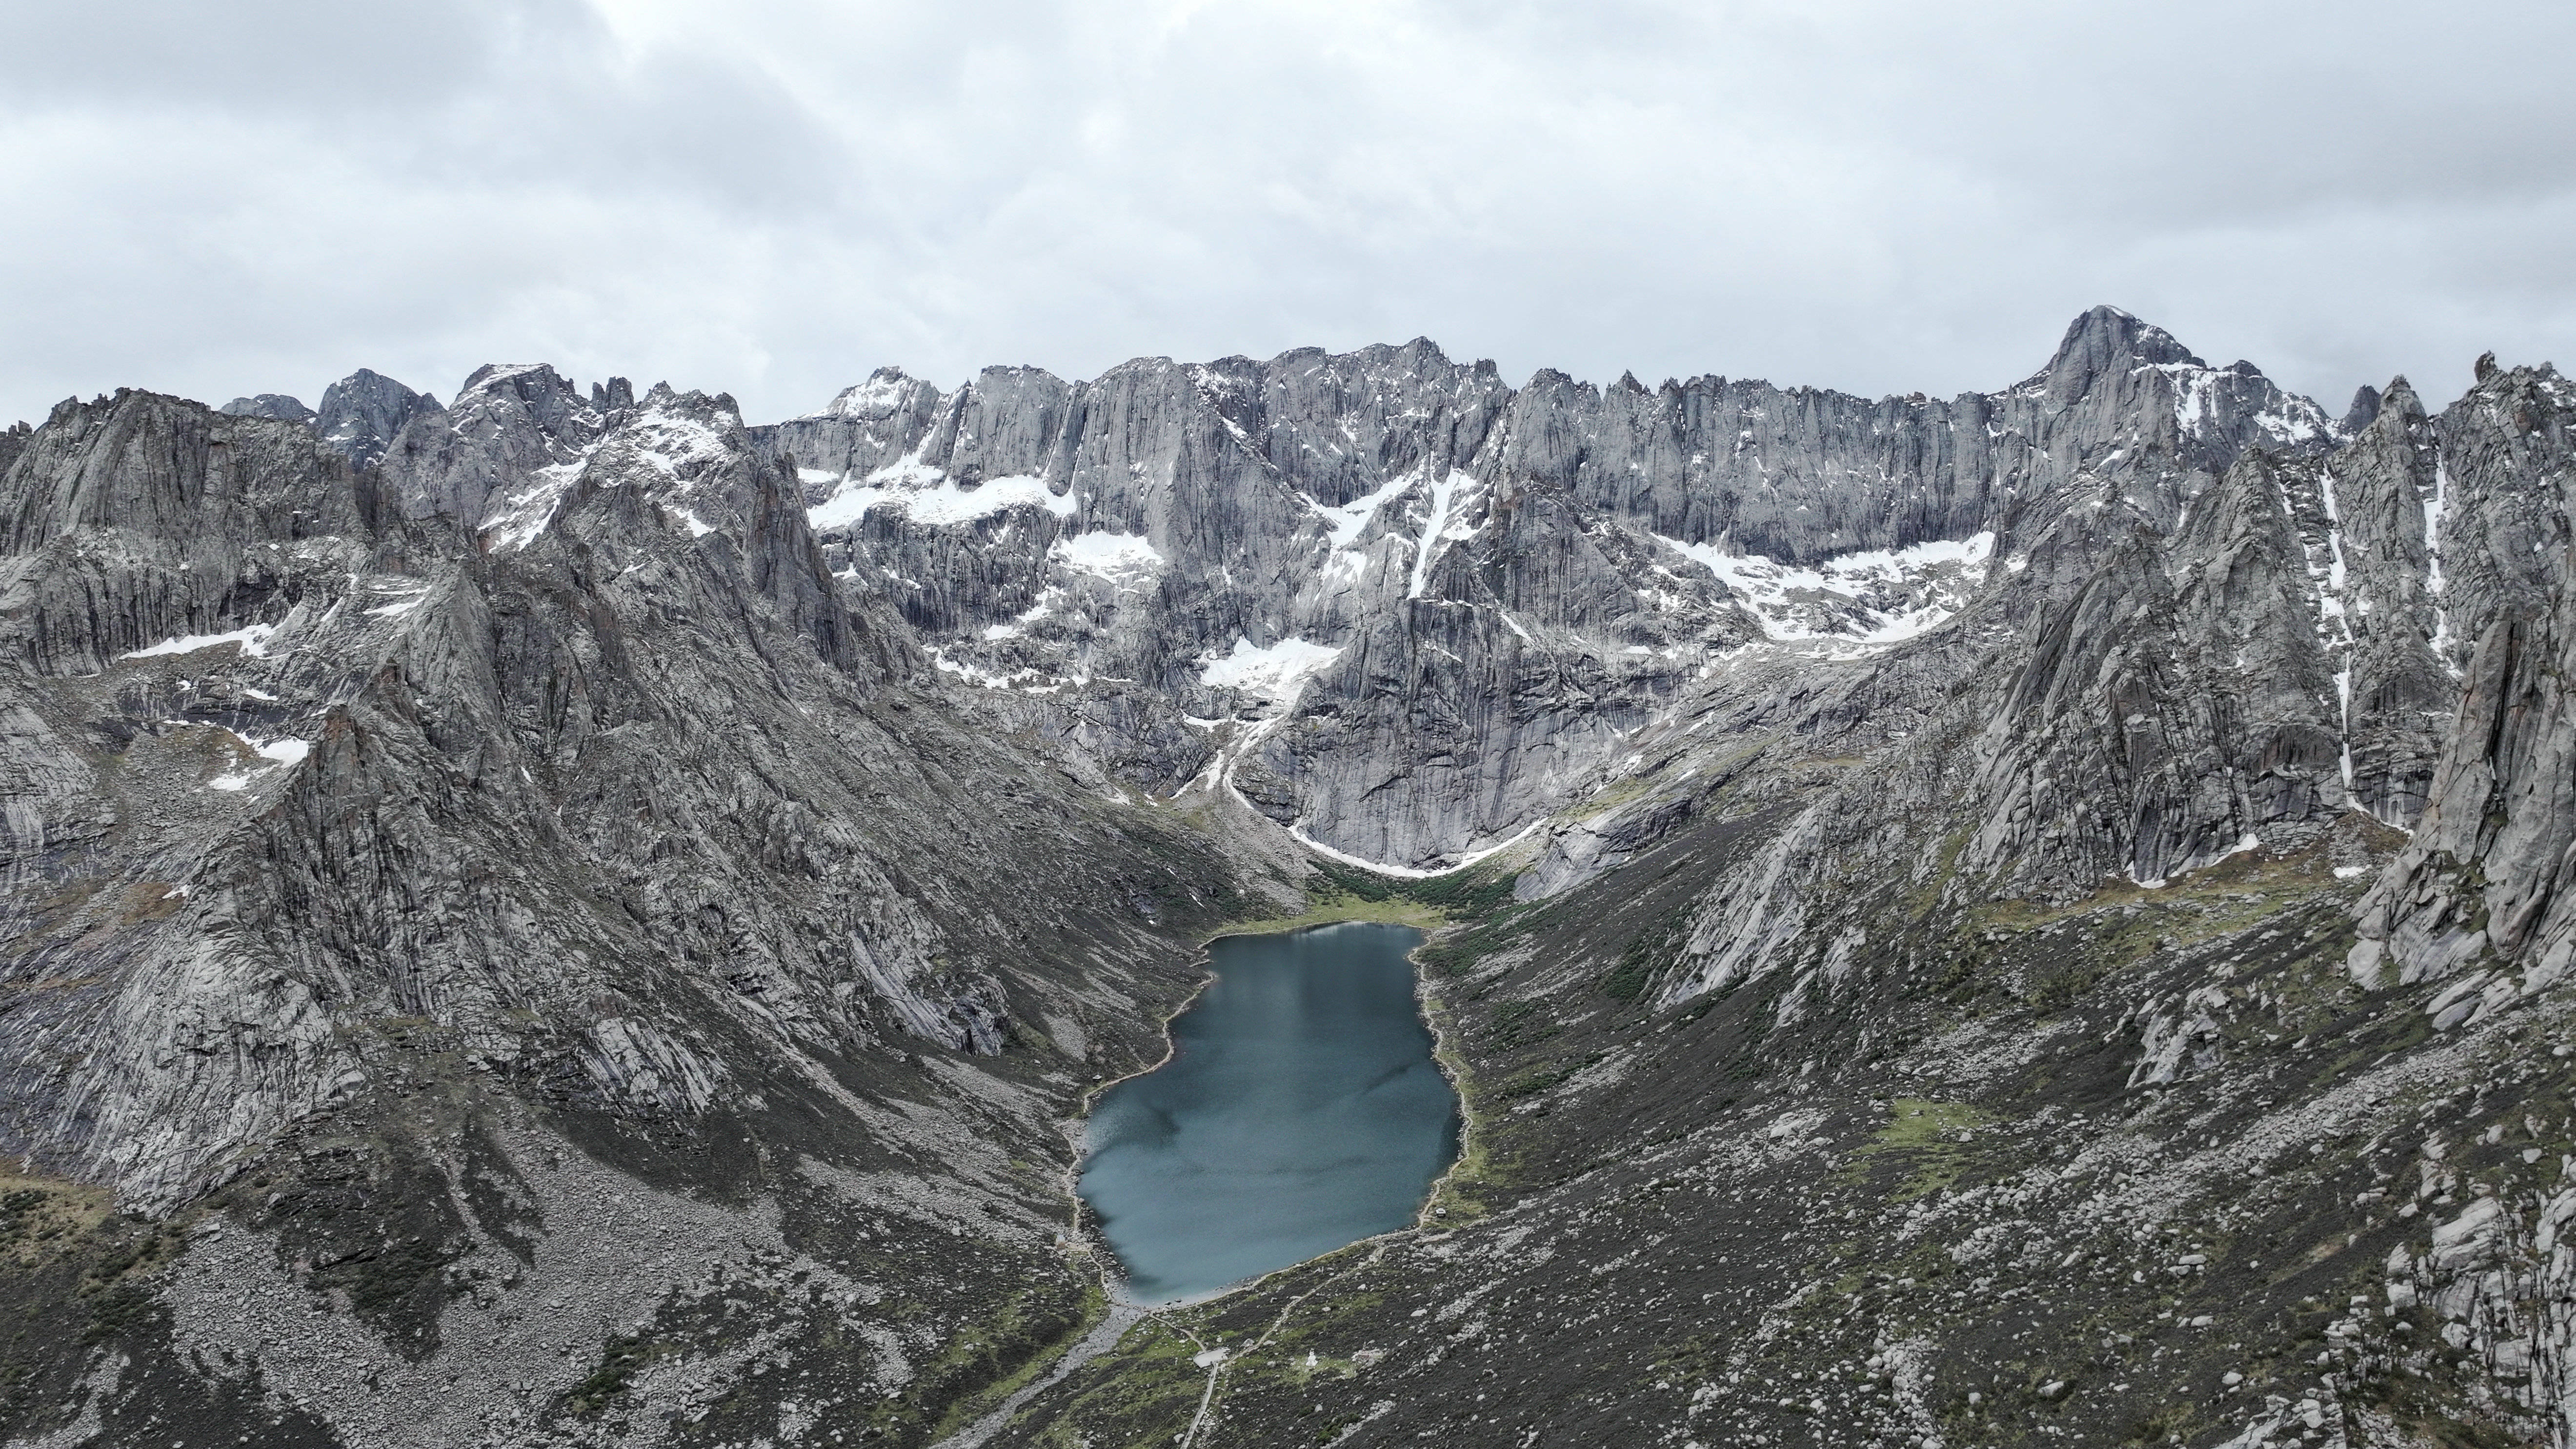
(1468, 1189)
(1931, 1143)
(618, 1360)
(974, 1406)
(1141, 1392)
(41, 1217)
(1332, 908)
(1338, 892)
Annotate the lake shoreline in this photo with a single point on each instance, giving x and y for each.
(1300, 1106)
(1121, 1311)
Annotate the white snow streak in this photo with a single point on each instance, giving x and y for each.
(524, 514)
(1408, 872)
(873, 398)
(253, 639)
(283, 752)
(1351, 519)
(2334, 624)
(1436, 530)
(2434, 583)
(931, 496)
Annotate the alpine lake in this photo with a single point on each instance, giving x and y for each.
(1300, 1110)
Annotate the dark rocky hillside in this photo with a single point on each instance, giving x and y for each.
(563, 918)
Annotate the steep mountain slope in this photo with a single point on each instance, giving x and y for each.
(517, 944)
(564, 918)
(2036, 1030)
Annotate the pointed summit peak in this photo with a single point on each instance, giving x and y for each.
(2104, 341)
(2108, 331)
(2391, 410)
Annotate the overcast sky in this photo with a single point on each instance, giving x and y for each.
(772, 197)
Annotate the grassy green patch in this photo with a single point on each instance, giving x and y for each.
(1468, 892)
(40, 1217)
(1141, 1392)
(618, 1361)
(1923, 1141)
(1649, 954)
(982, 1354)
(1095, 1307)
(1519, 1024)
(1461, 1195)
(1327, 909)
(1530, 1084)
(1349, 893)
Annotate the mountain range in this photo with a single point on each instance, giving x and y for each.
(567, 917)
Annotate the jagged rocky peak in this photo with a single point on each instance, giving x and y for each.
(1266, 538)
(2110, 362)
(552, 400)
(681, 463)
(508, 421)
(361, 414)
(148, 465)
(687, 451)
(674, 442)
(269, 405)
(865, 428)
(2482, 882)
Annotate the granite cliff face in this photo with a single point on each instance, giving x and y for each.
(564, 917)
(1424, 609)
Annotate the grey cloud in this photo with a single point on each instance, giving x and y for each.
(274, 55)
(776, 197)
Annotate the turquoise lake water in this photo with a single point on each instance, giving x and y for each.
(1301, 1110)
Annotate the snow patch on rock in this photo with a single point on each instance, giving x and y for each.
(1270, 672)
(930, 496)
(1110, 555)
(1876, 596)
